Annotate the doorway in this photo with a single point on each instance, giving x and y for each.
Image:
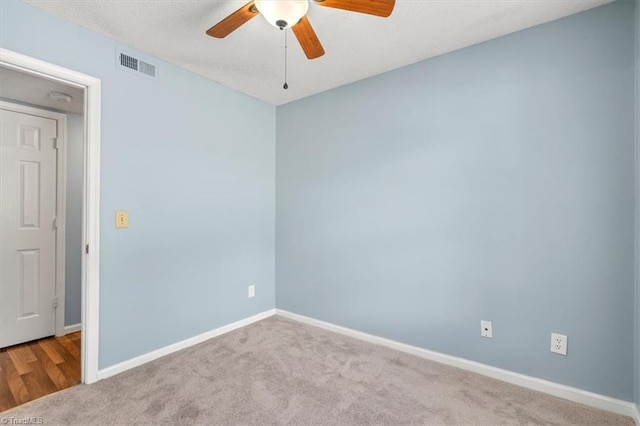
(40, 256)
(33, 304)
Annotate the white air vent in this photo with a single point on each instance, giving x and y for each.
(129, 63)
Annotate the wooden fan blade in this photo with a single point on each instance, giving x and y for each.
(233, 21)
(308, 39)
(371, 7)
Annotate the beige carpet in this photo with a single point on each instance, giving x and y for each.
(281, 372)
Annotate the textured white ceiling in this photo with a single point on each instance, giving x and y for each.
(357, 46)
(26, 88)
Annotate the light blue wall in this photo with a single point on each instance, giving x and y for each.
(495, 182)
(73, 231)
(193, 163)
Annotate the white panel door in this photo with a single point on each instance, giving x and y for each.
(27, 232)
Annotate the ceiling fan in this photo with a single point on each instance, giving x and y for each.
(293, 14)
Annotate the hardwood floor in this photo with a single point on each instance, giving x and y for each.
(34, 369)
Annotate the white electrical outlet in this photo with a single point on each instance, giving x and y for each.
(252, 291)
(486, 329)
(559, 344)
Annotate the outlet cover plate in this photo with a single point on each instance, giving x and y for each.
(486, 330)
(559, 344)
(252, 291)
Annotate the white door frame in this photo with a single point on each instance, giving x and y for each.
(61, 198)
(91, 199)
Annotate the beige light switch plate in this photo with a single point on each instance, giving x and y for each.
(122, 219)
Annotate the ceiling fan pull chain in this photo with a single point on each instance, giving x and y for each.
(285, 86)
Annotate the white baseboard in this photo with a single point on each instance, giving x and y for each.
(150, 356)
(573, 394)
(72, 328)
(636, 415)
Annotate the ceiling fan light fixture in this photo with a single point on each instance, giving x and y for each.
(282, 13)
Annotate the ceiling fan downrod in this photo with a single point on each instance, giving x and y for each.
(286, 85)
